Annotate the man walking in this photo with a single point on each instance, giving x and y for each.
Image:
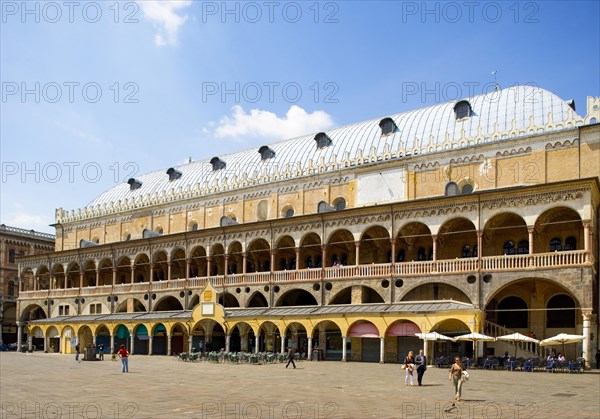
(421, 361)
(101, 352)
(290, 356)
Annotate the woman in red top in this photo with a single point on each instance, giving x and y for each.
(124, 358)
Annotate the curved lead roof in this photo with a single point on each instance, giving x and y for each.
(427, 129)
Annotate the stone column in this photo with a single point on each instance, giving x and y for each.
(393, 251)
(434, 242)
(19, 336)
(282, 344)
(188, 263)
(357, 252)
(586, 239)
(381, 349)
(587, 355)
(309, 354)
(425, 351)
(131, 337)
(151, 280)
(256, 340)
(94, 339)
(81, 280)
(30, 341)
(297, 258)
(244, 261)
(530, 230)
(45, 344)
(343, 348)
(112, 344)
(114, 277)
(324, 255)
(169, 344)
(98, 276)
(208, 265)
(169, 264)
(227, 343)
(150, 340)
(132, 273)
(273, 251)
(190, 344)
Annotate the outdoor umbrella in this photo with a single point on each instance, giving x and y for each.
(517, 337)
(435, 336)
(475, 337)
(562, 338)
(432, 336)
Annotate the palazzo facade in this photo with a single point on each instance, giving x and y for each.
(477, 215)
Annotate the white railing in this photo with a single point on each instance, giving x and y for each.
(402, 269)
(495, 330)
(33, 294)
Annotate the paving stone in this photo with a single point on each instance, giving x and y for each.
(55, 386)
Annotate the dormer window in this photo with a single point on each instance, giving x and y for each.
(323, 140)
(388, 126)
(134, 184)
(217, 163)
(266, 153)
(462, 109)
(173, 173)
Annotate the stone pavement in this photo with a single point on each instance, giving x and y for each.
(54, 386)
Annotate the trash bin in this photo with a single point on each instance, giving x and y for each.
(315, 355)
(90, 354)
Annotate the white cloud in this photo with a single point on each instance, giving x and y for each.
(265, 124)
(163, 13)
(29, 222)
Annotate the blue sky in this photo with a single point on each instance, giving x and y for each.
(96, 92)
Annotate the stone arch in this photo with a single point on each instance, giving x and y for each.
(227, 299)
(269, 337)
(285, 256)
(310, 251)
(178, 263)
(43, 277)
(160, 260)
(341, 248)
(58, 272)
(84, 337)
(131, 305)
(435, 291)
(198, 262)
(217, 254)
(179, 338)
(258, 256)
(257, 299)
(296, 297)
(375, 245)
(236, 258)
(560, 222)
(123, 270)
(457, 238)
(33, 312)
(168, 303)
(414, 242)
(327, 337)
(141, 268)
(503, 227)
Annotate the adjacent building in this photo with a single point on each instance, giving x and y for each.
(14, 243)
(475, 215)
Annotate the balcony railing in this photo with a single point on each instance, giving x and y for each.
(382, 270)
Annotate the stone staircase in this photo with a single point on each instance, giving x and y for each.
(524, 349)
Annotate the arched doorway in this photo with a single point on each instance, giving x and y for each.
(122, 337)
(400, 339)
(140, 340)
(53, 339)
(365, 343)
(159, 340)
(327, 337)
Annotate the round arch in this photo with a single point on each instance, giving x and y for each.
(375, 245)
(296, 297)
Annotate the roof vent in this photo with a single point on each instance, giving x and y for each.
(462, 109)
(227, 221)
(86, 243)
(323, 140)
(217, 163)
(134, 184)
(266, 153)
(173, 173)
(148, 234)
(388, 126)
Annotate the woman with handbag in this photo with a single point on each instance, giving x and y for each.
(409, 366)
(456, 372)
